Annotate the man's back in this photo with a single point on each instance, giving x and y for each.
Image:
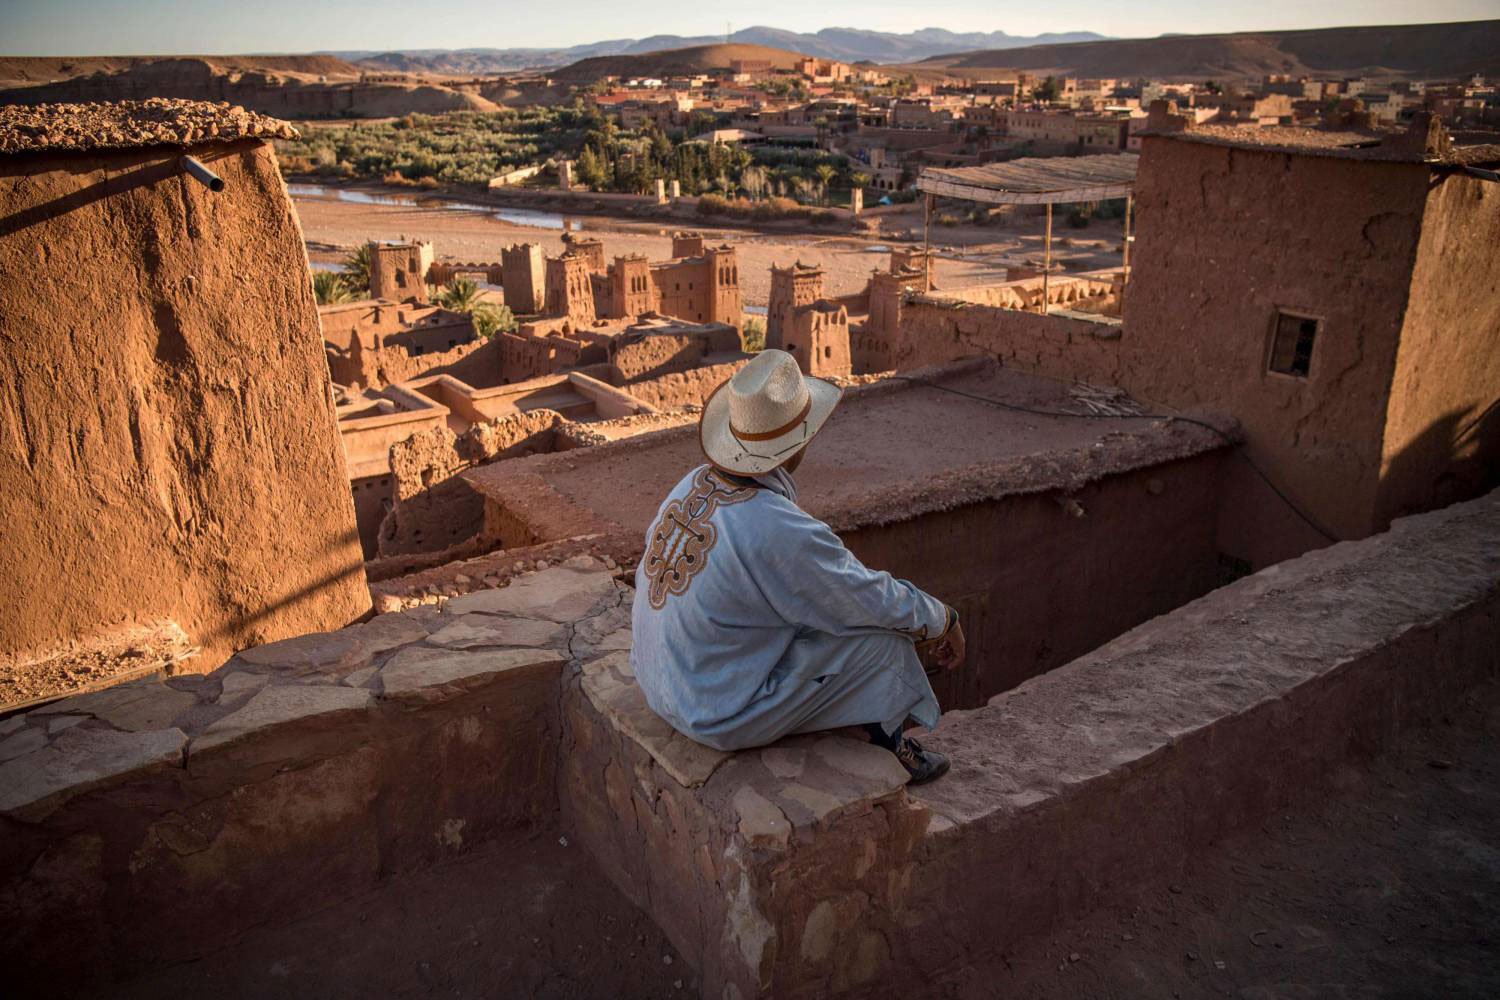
(736, 588)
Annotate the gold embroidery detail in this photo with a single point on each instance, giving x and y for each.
(683, 536)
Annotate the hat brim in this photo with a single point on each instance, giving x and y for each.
(756, 458)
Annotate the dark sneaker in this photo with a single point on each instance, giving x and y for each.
(922, 765)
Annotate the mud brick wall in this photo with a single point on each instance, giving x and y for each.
(434, 507)
(170, 447)
(1107, 774)
(153, 822)
(1056, 346)
(806, 870)
(1042, 578)
(678, 389)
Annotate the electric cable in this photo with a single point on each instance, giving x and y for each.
(1237, 445)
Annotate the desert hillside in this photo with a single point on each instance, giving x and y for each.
(285, 86)
(20, 70)
(695, 59)
(1415, 50)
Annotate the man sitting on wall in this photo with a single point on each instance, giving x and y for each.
(752, 621)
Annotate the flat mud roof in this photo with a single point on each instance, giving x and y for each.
(157, 121)
(893, 450)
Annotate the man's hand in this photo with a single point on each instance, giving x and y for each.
(950, 648)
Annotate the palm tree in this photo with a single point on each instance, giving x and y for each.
(461, 295)
(357, 268)
(491, 318)
(329, 288)
(826, 173)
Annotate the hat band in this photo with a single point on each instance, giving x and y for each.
(778, 432)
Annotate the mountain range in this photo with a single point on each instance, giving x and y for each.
(843, 44)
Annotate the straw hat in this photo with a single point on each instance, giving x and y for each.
(764, 414)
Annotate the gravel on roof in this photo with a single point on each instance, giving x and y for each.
(156, 121)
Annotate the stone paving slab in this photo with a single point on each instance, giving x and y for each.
(423, 654)
(563, 593)
(416, 670)
(80, 759)
(277, 705)
(469, 631)
(611, 688)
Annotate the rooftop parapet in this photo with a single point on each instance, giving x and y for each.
(156, 121)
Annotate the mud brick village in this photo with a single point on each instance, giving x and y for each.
(320, 514)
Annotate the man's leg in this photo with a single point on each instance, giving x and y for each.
(881, 679)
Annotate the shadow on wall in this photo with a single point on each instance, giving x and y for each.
(238, 625)
(1456, 458)
(128, 180)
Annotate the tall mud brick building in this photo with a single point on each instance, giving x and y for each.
(169, 457)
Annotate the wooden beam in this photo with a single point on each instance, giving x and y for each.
(927, 243)
(1047, 262)
(969, 192)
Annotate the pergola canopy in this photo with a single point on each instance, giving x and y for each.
(1036, 180)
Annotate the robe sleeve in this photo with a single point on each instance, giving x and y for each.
(810, 579)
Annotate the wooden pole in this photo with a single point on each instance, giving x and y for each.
(1047, 259)
(927, 243)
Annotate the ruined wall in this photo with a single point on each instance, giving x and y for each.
(1442, 431)
(686, 388)
(657, 354)
(937, 330)
(433, 507)
(373, 344)
(170, 448)
(524, 357)
(1226, 238)
(400, 272)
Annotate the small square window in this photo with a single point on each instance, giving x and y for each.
(1292, 344)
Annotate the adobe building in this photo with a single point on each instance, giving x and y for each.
(701, 287)
(873, 344)
(800, 321)
(525, 276)
(171, 454)
(626, 289)
(590, 248)
(570, 290)
(399, 271)
(1333, 290)
(376, 342)
(1350, 322)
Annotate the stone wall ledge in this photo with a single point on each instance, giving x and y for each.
(318, 682)
(153, 821)
(808, 869)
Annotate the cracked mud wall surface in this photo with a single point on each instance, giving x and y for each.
(168, 447)
(1226, 238)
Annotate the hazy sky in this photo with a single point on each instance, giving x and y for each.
(141, 27)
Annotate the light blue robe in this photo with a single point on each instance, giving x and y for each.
(753, 621)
